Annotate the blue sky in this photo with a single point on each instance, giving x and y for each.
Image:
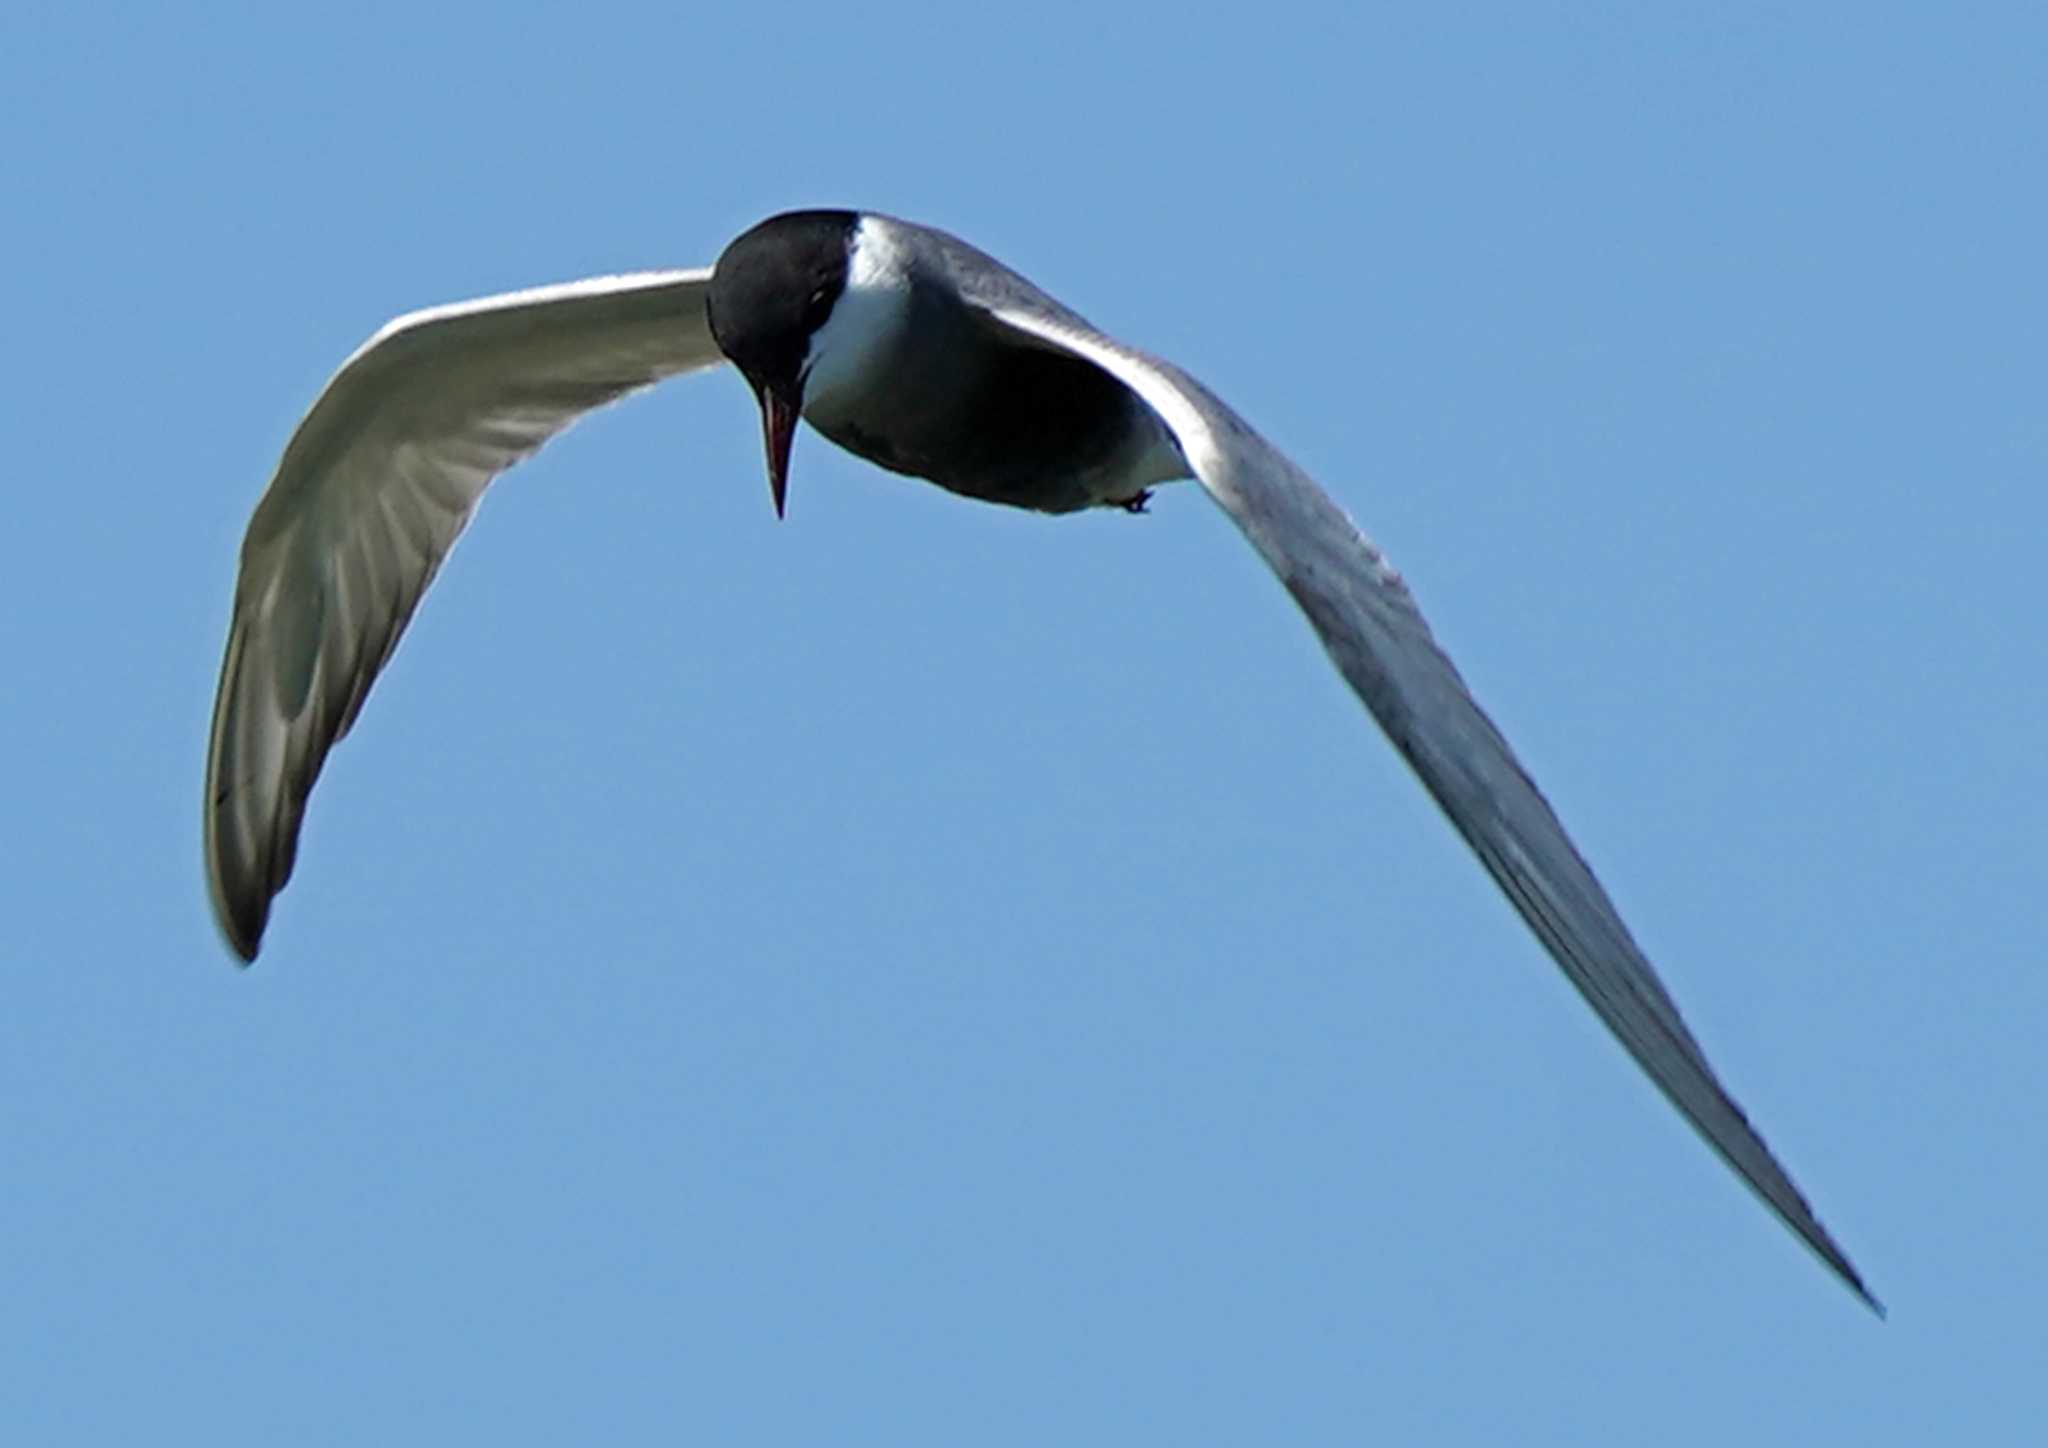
(921, 973)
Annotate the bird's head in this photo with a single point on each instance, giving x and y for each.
(771, 291)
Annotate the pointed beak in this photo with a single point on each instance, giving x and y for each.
(779, 413)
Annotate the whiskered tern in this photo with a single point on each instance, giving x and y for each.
(912, 349)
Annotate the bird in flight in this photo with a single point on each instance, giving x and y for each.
(912, 349)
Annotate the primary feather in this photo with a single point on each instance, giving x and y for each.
(375, 485)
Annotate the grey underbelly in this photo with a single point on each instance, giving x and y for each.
(1022, 425)
(1046, 480)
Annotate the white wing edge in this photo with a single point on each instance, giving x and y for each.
(1379, 641)
(376, 483)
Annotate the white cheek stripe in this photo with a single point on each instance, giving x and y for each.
(855, 337)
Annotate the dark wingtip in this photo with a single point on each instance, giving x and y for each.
(241, 917)
(245, 951)
(1837, 1261)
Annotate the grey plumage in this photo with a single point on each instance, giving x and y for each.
(914, 349)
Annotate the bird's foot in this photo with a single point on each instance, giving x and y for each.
(1138, 502)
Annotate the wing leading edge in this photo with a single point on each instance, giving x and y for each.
(1369, 624)
(375, 486)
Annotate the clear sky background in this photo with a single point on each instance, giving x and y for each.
(922, 973)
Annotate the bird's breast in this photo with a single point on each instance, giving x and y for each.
(950, 398)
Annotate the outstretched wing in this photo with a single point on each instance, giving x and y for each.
(374, 486)
(1379, 641)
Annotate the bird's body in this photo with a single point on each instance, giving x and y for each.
(911, 375)
(912, 349)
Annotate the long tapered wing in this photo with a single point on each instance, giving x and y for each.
(1379, 641)
(375, 485)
